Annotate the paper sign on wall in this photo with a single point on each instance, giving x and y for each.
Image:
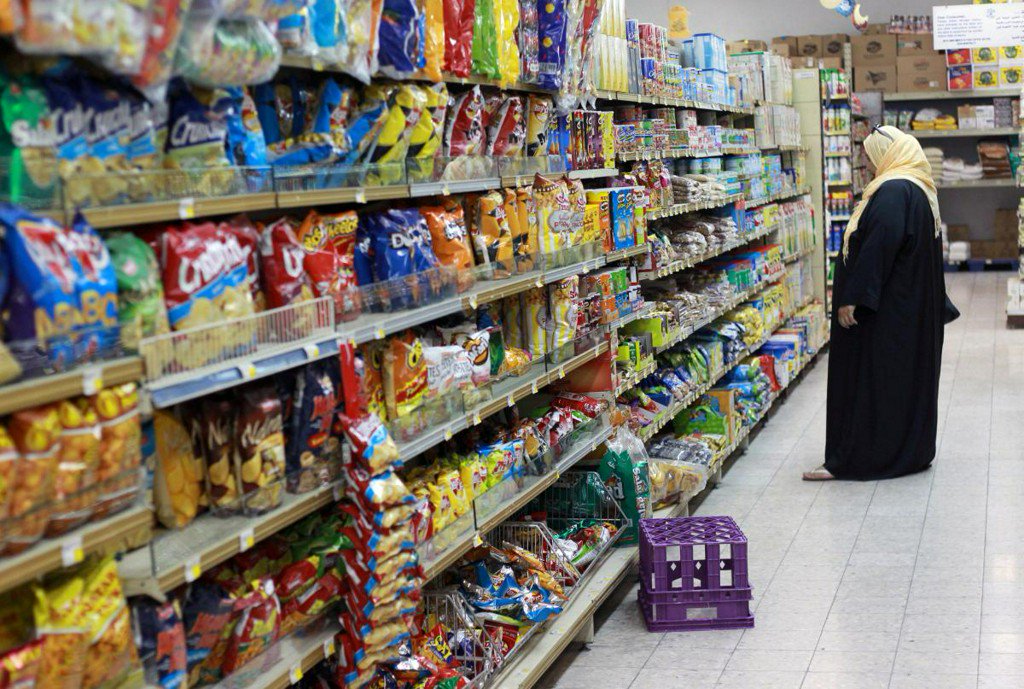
(978, 26)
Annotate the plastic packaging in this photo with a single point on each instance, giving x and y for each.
(485, 40)
(227, 52)
(458, 36)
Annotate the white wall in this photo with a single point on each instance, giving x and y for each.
(765, 19)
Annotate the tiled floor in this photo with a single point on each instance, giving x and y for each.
(916, 583)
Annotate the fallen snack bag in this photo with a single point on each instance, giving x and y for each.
(590, 406)
(285, 279)
(370, 441)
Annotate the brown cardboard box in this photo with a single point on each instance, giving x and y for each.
(875, 29)
(880, 77)
(983, 248)
(1006, 225)
(746, 45)
(832, 45)
(830, 63)
(803, 62)
(808, 46)
(914, 44)
(789, 41)
(782, 48)
(958, 233)
(921, 73)
(874, 50)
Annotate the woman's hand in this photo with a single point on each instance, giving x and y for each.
(846, 318)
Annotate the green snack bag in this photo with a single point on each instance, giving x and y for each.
(628, 481)
(28, 139)
(141, 311)
(485, 40)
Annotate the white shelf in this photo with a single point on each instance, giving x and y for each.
(950, 95)
(964, 133)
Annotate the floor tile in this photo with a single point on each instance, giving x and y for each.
(846, 680)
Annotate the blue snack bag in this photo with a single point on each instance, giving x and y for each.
(41, 309)
(98, 330)
(401, 39)
(362, 255)
(552, 39)
(245, 142)
(393, 251)
(365, 130)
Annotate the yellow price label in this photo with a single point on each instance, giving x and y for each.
(510, 400)
(92, 380)
(312, 350)
(477, 541)
(447, 434)
(360, 196)
(473, 303)
(445, 191)
(561, 372)
(533, 387)
(378, 333)
(192, 569)
(539, 283)
(329, 647)
(295, 674)
(476, 418)
(187, 208)
(317, 64)
(248, 371)
(246, 540)
(71, 551)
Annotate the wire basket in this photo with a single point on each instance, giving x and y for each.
(479, 658)
(538, 539)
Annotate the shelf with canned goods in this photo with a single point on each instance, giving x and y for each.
(120, 532)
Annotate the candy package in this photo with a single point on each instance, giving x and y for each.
(492, 236)
(464, 132)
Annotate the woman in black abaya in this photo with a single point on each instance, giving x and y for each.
(889, 309)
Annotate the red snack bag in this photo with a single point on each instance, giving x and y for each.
(257, 626)
(310, 603)
(458, 36)
(585, 404)
(283, 261)
(371, 443)
(506, 128)
(297, 577)
(464, 132)
(248, 237)
(321, 261)
(372, 354)
(19, 667)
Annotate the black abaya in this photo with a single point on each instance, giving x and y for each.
(883, 373)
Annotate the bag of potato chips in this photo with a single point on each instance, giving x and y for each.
(141, 311)
(60, 621)
(285, 280)
(178, 478)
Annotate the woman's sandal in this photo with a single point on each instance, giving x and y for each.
(819, 474)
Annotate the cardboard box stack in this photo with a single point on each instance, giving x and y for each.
(1004, 243)
(874, 61)
(827, 51)
(919, 66)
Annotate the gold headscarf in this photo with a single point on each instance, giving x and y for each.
(895, 155)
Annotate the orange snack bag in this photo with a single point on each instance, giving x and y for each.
(373, 378)
(492, 237)
(117, 475)
(111, 650)
(60, 623)
(36, 434)
(404, 374)
(78, 458)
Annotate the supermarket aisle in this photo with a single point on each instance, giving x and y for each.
(908, 584)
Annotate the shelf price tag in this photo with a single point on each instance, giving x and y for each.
(329, 647)
(447, 434)
(473, 302)
(317, 64)
(477, 541)
(312, 350)
(92, 380)
(248, 370)
(246, 540)
(378, 333)
(192, 569)
(360, 195)
(510, 400)
(476, 418)
(187, 208)
(445, 191)
(71, 551)
(533, 387)
(539, 283)
(561, 372)
(337, 492)
(295, 674)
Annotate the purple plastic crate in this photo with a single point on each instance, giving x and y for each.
(723, 610)
(692, 554)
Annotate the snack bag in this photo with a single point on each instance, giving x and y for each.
(492, 236)
(551, 53)
(401, 39)
(535, 322)
(477, 344)
(8, 464)
(311, 449)
(406, 106)
(256, 628)
(208, 612)
(110, 655)
(236, 52)
(97, 332)
(448, 236)
(464, 133)
(528, 40)
(426, 139)
(42, 305)
(320, 260)
(372, 383)
(627, 480)
(527, 222)
(106, 137)
(564, 306)
(60, 623)
(162, 645)
(20, 666)
(512, 321)
(78, 459)
(458, 35)
(371, 442)
(554, 214)
(362, 21)
(404, 374)
(141, 311)
(166, 23)
(261, 450)
(577, 209)
(433, 40)
(506, 131)
(178, 480)
(245, 141)
(218, 443)
(485, 40)
(286, 281)
(197, 126)
(32, 176)
(523, 244)
(36, 435)
(506, 24)
(449, 368)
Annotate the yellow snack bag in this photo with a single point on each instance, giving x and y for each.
(564, 306)
(554, 215)
(451, 480)
(111, 651)
(441, 504)
(434, 38)
(506, 20)
(474, 476)
(535, 322)
(60, 623)
(178, 479)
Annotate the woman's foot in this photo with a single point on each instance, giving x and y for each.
(819, 474)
